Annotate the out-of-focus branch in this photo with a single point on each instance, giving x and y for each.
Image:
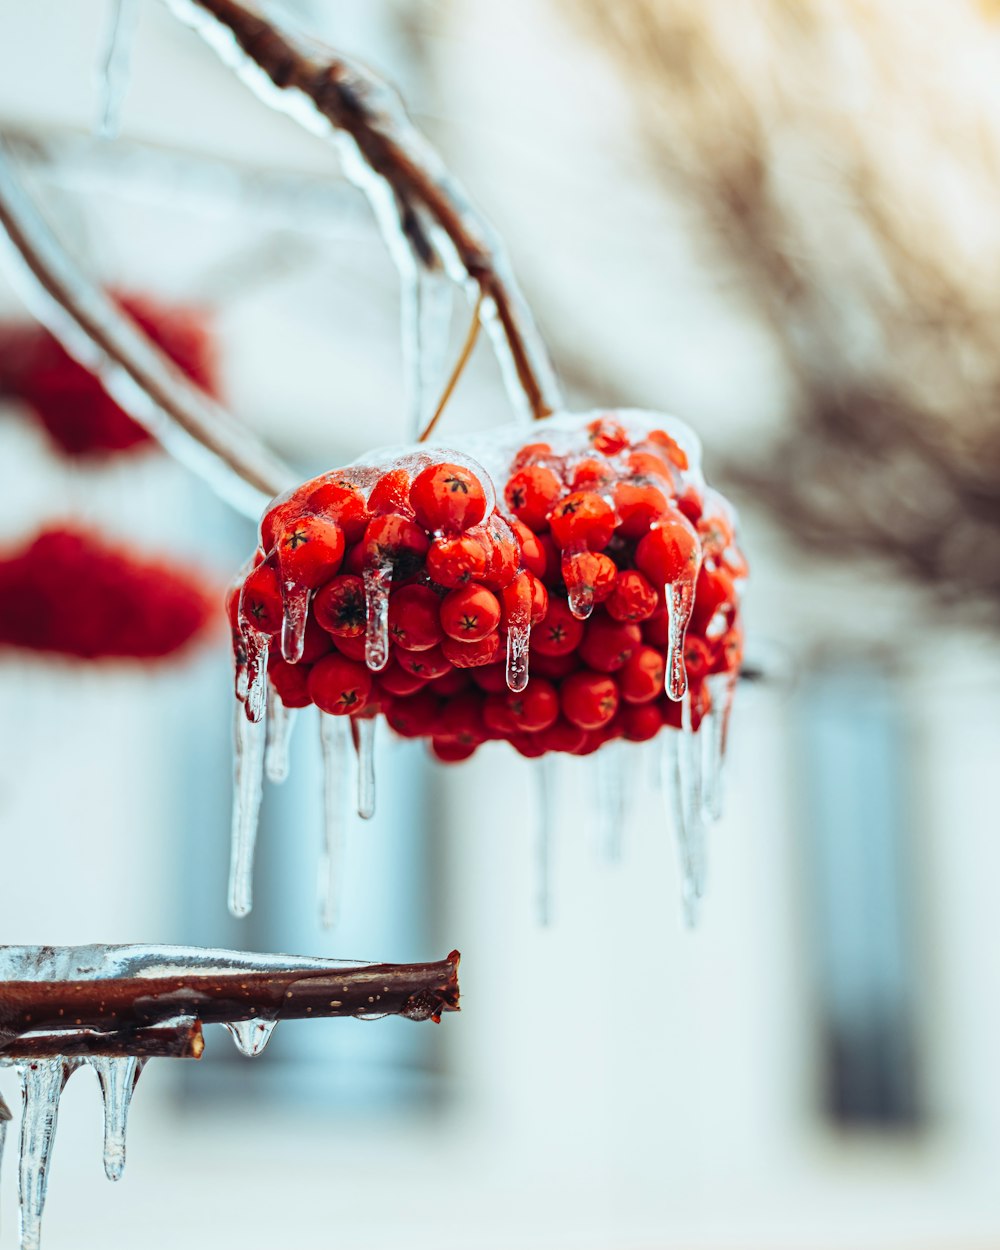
(138, 375)
(348, 97)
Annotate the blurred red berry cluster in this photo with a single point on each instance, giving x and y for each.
(72, 593)
(407, 591)
(69, 401)
(69, 591)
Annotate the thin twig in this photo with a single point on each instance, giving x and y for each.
(353, 100)
(183, 1040)
(456, 373)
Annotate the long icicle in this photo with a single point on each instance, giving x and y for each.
(333, 739)
(115, 67)
(118, 1077)
(547, 782)
(280, 723)
(250, 738)
(363, 728)
(42, 1083)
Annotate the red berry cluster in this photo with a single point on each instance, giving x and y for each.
(406, 591)
(74, 594)
(70, 402)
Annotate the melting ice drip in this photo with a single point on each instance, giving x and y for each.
(42, 1080)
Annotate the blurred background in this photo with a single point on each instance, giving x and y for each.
(777, 221)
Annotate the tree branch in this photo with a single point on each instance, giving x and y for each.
(351, 99)
(183, 1040)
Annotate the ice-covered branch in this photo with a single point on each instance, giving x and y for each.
(136, 373)
(182, 1039)
(401, 172)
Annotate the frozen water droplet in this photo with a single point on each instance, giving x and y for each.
(610, 801)
(294, 618)
(118, 1077)
(251, 1036)
(378, 581)
(364, 746)
(518, 643)
(114, 75)
(547, 781)
(280, 723)
(247, 791)
(333, 745)
(257, 646)
(42, 1082)
(579, 594)
(680, 602)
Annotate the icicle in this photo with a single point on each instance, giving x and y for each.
(673, 788)
(333, 744)
(610, 801)
(426, 325)
(722, 688)
(251, 1036)
(518, 641)
(547, 780)
(114, 75)
(257, 646)
(294, 618)
(579, 594)
(280, 723)
(42, 1082)
(680, 601)
(247, 791)
(378, 581)
(118, 1077)
(363, 728)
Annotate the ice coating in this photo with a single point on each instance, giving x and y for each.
(251, 1036)
(334, 748)
(118, 1076)
(247, 793)
(42, 1083)
(364, 746)
(378, 583)
(611, 763)
(114, 74)
(280, 723)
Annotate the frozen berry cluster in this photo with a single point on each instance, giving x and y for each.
(581, 605)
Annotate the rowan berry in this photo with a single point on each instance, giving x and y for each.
(470, 613)
(634, 597)
(590, 473)
(582, 520)
(339, 686)
(395, 680)
(641, 721)
(413, 716)
(342, 502)
(396, 540)
(492, 678)
(698, 658)
(588, 576)
(353, 648)
(639, 506)
(559, 632)
(562, 736)
(316, 642)
(310, 551)
(656, 630)
(607, 436)
(456, 559)
(455, 681)
(261, 606)
(674, 452)
(448, 497)
(426, 664)
(531, 494)
(553, 557)
(497, 716)
(472, 654)
(714, 603)
(531, 452)
(670, 551)
(608, 644)
(534, 708)
(527, 745)
(532, 552)
(449, 751)
(588, 700)
(554, 667)
(641, 677)
(414, 618)
(340, 608)
(291, 681)
(391, 493)
(691, 504)
(649, 469)
(505, 556)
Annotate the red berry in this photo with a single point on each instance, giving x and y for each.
(691, 504)
(339, 686)
(448, 751)
(448, 497)
(608, 644)
(607, 436)
(412, 716)
(652, 466)
(426, 664)
(641, 678)
(639, 506)
(455, 681)
(470, 613)
(582, 520)
(554, 667)
(634, 598)
(461, 720)
(589, 574)
(309, 551)
(497, 716)
(559, 632)
(395, 540)
(670, 552)
(531, 452)
(656, 630)
(505, 556)
(339, 606)
(588, 700)
(472, 654)
(532, 552)
(260, 600)
(290, 680)
(395, 680)
(715, 593)
(414, 622)
(454, 560)
(342, 502)
(492, 678)
(590, 474)
(531, 494)
(697, 658)
(391, 493)
(316, 643)
(564, 737)
(641, 721)
(353, 648)
(674, 452)
(534, 708)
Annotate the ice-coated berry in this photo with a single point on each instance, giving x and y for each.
(448, 497)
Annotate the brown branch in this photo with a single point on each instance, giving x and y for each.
(355, 101)
(184, 1040)
(116, 1005)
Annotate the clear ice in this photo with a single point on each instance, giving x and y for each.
(251, 1036)
(294, 617)
(114, 74)
(364, 746)
(250, 738)
(118, 1076)
(610, 761)
(679, 598)
(333, 738)
(378, 581)
(280, 723)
